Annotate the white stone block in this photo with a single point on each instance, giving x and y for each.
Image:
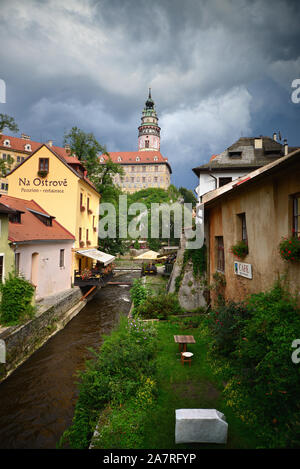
(200, 426)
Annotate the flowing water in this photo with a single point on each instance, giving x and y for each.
(37, 401)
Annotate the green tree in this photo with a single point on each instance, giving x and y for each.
(7, 122)
(87, 149)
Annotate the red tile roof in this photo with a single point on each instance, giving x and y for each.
(31, 228)
(129, 157)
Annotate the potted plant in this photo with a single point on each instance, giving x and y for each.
(289, 249)
(88, 243)
(86, 274)
(81, 244)
(42, 174)
(240, 249)
(82, 208)
(90, 211)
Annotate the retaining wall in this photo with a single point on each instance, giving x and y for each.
(21, 341)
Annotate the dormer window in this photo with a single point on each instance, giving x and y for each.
(101, 159)
(235, 154)
(146, 143)
(155, 158)
(138, 158)
(27, 147)
(119, 158)
(46, 219)
(15, 217)
(6, 143)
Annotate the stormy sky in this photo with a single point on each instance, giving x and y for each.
(218, 70)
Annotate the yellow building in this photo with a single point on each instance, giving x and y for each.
(60, 185)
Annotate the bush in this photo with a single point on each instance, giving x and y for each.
(160, 306)
(138, 292)
(226, 324)
(15, 306)
(126, 356)
(265, 390)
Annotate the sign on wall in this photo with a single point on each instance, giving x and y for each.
(245, 270)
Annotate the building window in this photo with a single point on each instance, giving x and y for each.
(144, 179)
(220, 253)
(132, 169)
(44, 165)
(18, 159)
(296, 216)
(243, 227)
(17, 263)
(15, 217)
(1, 268)
(61, 258)
(132, 179)
(144, 168)
(87, 235)
(80, 234)
(4, 156)
(223, 181)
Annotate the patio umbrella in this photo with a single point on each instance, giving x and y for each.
(148, 256)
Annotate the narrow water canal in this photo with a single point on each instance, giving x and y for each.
(37, 401)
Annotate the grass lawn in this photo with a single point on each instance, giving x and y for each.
(187, 387)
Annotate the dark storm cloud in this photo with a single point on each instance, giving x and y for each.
(213, 66)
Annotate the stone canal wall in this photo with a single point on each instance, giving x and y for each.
(53, 314)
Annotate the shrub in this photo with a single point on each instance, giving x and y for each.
(160, 306)
(138, 292)
(111, 378)
(15, 306)
(266, 389)
(226, 323)
(289, 249)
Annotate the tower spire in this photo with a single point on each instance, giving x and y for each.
(149, 131)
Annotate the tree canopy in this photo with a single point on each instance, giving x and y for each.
(7, 122)
(87, 149)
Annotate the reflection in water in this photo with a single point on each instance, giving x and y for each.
(37, 401)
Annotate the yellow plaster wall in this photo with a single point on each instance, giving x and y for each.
(59, 195)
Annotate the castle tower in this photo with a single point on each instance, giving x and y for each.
(149, 131)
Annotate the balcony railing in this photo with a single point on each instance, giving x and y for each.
(91, 277)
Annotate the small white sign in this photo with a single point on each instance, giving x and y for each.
(245, 270)
(2, 351)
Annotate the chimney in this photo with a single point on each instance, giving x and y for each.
(285, 146)
(275, 136)
(50, 143)
(258, 142)
(25, 137)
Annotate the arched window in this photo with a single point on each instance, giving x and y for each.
(6, 143)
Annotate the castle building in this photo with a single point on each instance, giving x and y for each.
(145, 167)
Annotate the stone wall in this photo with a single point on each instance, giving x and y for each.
(21, 341)
(192, 291)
